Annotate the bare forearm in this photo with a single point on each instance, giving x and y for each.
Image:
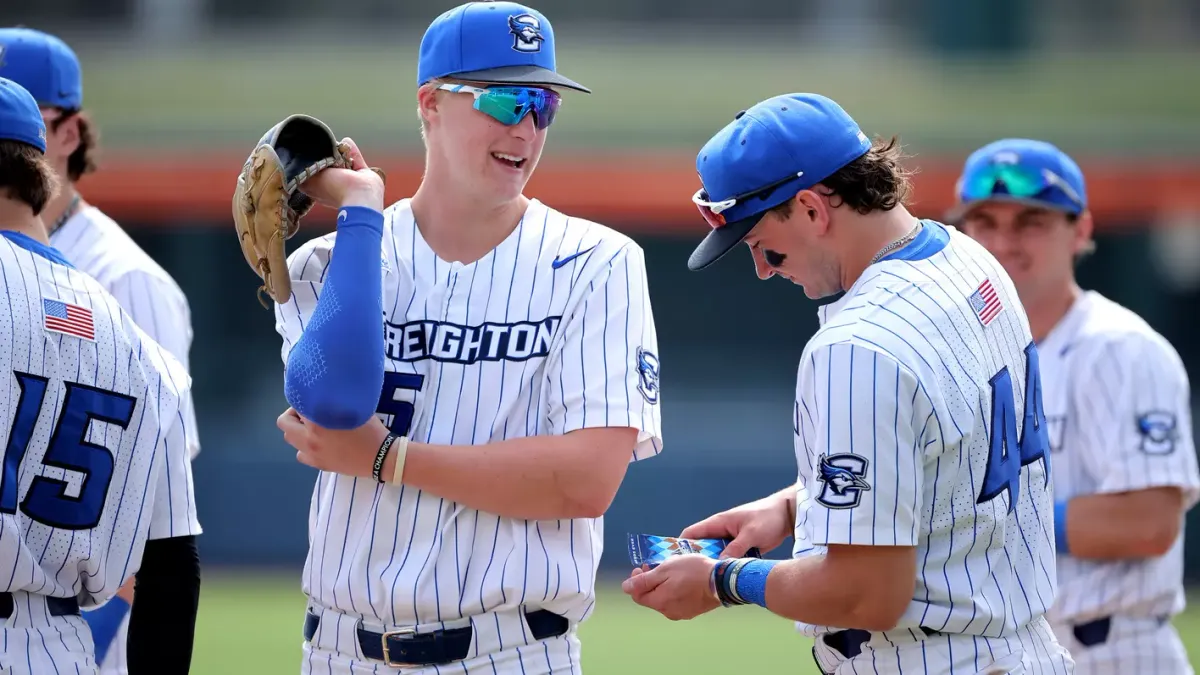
(1123, 526)
(539, 478)
(813, 590)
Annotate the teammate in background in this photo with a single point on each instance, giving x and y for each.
(1118, 411)
(91, 420)
(922, 515)
(96, 245)
(519, 379)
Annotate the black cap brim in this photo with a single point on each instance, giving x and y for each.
(721, 241)
(535, 75)
(959, 211)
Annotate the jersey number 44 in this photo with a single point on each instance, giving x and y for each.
(1004, 466)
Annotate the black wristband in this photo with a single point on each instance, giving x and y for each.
(381, 457)
(726, 581)
(722, 581)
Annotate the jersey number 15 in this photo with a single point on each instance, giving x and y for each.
(47, 501)
(1004, 466)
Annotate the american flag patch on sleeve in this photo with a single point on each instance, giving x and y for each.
(986, 302)
(63, 317)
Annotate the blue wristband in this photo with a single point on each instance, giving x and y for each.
(1060, 527)
(751, 582)
(104, 621)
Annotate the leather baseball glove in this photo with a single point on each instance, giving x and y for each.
(268, 203)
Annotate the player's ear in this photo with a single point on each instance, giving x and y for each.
(427, 102)
(809, 205)
(65, 133)
(1084, 229)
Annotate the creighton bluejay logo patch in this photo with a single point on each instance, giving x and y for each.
(843, 480)
(647, 365)
(1158, 432)
(527, 32)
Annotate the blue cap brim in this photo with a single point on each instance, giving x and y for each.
(721, 241)
(532, 75)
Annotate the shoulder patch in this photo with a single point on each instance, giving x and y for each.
(843, 480)
(647, 365)
(1158, 431)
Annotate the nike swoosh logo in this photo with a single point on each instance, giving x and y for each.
(559, 262)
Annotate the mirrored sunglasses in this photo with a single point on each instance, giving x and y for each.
(510, 104)
(1019, 181)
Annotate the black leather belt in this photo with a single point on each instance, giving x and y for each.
(406, 647)
(1096, 632)
(849, 642)
(1093, 633)
(56, 606)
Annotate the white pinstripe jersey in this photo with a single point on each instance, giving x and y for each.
(86, 428)
(1118, 407)
(549, 332)
(914, 424)
(96, 245)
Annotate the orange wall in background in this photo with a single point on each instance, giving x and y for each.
(647, 194)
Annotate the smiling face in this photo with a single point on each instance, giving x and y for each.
(1037, 246)
(484, 160)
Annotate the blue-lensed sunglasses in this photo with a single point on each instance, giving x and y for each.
(1023, 182)
(510, 104)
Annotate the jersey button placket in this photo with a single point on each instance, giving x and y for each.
(451, 289)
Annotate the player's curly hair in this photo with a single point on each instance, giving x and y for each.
(83, 160)
(876, 181)
(25, 175)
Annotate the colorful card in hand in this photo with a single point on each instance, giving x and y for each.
(652, 550)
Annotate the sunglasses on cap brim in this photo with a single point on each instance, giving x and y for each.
(713, 210)
(1019, 181)
(509, 104)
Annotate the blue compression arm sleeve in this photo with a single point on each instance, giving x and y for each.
(335, 370)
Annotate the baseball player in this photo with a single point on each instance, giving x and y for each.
(91, 420)
(1118, 412)
(922, 516)
(49, 69)
(457, 518)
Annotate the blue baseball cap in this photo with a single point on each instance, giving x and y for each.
(493, 43)
(20, 118)
(765, 156)
(44, 65)
(1022, 171)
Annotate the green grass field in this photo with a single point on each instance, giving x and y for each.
(251, 624)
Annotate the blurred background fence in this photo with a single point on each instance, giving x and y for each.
(181, 89)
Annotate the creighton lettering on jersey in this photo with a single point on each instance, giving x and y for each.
(452, 343)
(918, 424)
(86, 428)
(549, 332)
(1120, 397)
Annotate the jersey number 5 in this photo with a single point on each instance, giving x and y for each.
(1004, 466)
(47, 501)
(390, 402)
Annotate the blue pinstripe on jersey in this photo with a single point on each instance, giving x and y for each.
(903, 337)
(445, 560)
(1102, 366)
(88, 563)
